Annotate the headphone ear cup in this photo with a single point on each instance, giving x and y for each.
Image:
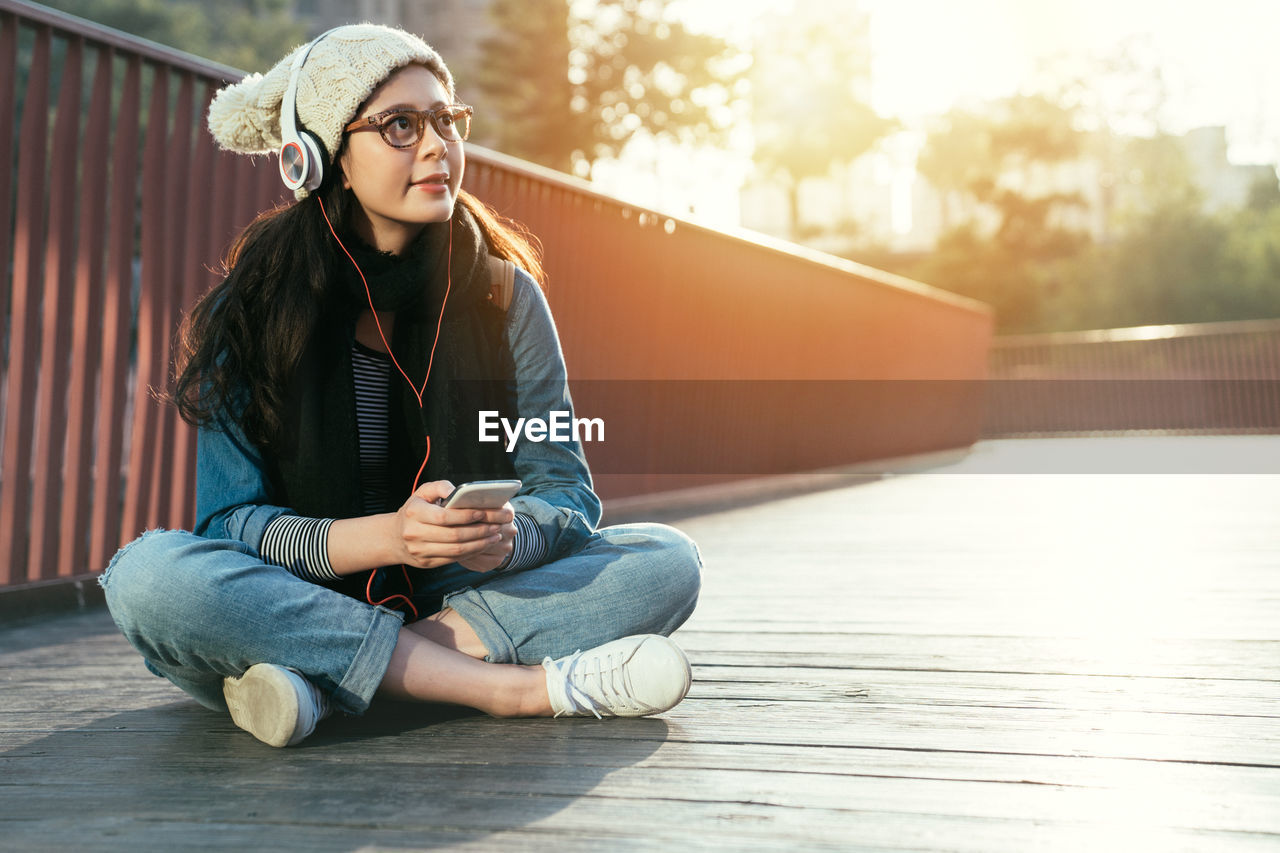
(302, 162)
(315, 160)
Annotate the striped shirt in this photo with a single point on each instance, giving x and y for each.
(372, 370)
(301, 545)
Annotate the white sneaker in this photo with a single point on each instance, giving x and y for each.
(632, 677)
(275, 704)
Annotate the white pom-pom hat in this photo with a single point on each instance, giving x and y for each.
(339, 75)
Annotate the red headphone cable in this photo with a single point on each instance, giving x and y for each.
(417, 392)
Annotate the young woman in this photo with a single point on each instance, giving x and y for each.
(336, 375)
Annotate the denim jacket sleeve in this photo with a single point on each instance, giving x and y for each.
(557, 491)
(233, 493)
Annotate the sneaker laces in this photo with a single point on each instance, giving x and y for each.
(574, 675)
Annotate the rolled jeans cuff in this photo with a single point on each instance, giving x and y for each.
(369, 665)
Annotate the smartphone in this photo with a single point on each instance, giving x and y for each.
(482, 494)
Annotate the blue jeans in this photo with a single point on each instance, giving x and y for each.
(199, 610)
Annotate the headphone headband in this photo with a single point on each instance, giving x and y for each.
(301, 161)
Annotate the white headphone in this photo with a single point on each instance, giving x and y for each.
(301, 154)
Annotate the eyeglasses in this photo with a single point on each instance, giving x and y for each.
(404, 128)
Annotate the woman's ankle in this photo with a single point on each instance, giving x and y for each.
(524, 696)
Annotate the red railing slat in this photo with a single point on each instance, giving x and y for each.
(55, 350)
(174, 268)
(24, 317)
(146, 415)
(8, 107)
(113, 393)
(87, 324)
(193, 281)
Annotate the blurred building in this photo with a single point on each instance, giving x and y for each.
(1226, 185)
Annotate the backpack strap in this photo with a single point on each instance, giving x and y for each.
(502, 282)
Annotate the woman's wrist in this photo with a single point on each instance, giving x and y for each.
(366, 542)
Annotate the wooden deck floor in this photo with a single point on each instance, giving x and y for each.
(954, 660)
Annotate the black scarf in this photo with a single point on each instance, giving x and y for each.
(317, 469)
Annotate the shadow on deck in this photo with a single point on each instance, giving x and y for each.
(992, 655)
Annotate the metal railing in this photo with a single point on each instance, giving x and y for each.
(1197, 378)
(722, 355)
(122, 207)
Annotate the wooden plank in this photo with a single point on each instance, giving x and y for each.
(618, 826)
(1032, 655)
(119, 738)
(1150, 737)
(826, 798)
(1225, 698)
(1253, 697)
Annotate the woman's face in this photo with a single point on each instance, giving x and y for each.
(400, 190)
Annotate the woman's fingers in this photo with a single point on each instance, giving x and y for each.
(492, 557)
(428, 512)
(450, 535)
(436, 490)
(433, 536)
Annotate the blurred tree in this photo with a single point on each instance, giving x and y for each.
(1154, 175)
(1121, 92)
(573, 82)
(247, 34)
(1175, 263)
(252, 34)
(959, 162)
(1253, 245)
(523, 76)
(1264, 194)
(1160, 257)
(1168, 267)
(1002, 159)
(1009, 220)
(1165, 261)
(809, 92)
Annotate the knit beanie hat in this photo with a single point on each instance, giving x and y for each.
(339, 75)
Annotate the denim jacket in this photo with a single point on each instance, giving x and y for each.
(233, 492)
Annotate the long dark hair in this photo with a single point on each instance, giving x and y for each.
(239, 346)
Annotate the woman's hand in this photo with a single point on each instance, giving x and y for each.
(430, 536)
